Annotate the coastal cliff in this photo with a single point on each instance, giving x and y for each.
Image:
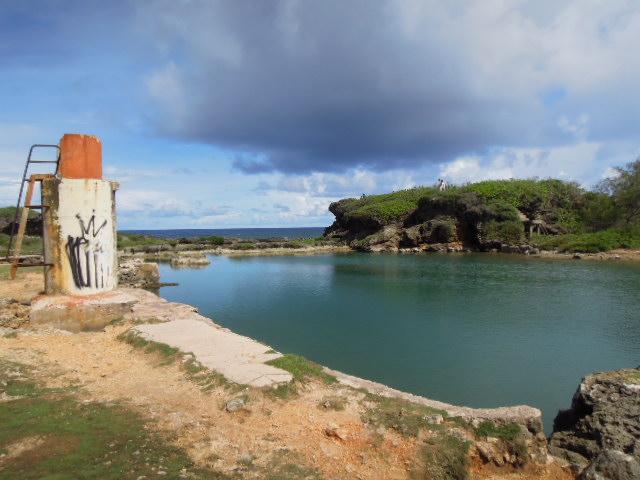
(513, 216)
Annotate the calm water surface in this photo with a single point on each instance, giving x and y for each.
(479, 330)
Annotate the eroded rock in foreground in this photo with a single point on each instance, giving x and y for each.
(600, 434)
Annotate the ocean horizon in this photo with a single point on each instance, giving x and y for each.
(288, 232)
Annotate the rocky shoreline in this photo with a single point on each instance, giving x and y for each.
(600, 433)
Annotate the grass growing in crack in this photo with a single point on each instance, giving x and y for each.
(443, 457)
(206, 378)
(508, 432)
(302, 369)
(405, 417)
(47, 433)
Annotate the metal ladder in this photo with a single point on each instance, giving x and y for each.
(23, 214)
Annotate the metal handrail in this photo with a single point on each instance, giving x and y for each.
(24, 179)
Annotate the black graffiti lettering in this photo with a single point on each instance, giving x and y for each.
(86, 255)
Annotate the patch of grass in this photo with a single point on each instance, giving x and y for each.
(206, 378)
(282, 391)
(30, 245)
(508, 432)
(443, 457)
(389, 206)
(406, 418)
(64, 438)
(333, 402)
(594, 242)
(5, 269)
(11, 335)
(129, 240)
(301, 368)
(289, 465)
(633, 376)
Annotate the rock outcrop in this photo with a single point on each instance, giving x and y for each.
(138, 274)
(441, 222)
(600, 434)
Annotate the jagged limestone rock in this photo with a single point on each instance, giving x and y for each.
(600, 433)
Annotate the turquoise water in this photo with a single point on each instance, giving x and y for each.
(480, 330)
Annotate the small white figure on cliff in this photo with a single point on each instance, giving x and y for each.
(442, 185)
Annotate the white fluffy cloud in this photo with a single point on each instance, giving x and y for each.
(574, 162)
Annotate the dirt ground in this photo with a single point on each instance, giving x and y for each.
(335, 444)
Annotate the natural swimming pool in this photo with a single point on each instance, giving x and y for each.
(476, 329)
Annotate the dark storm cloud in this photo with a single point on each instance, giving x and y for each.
(326, 86)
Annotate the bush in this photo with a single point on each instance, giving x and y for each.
(594, 242)
(212, 239)
(510, 232)
(442, 230)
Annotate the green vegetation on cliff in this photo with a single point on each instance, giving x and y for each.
(549, 213)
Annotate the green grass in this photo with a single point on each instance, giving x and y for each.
(508, 432)
(406, 418)
(128, 240)
(633, 376)
(206, 378)
(389, 206)
(595, 242)
(65, 438)
(30, 245)
(301, 368)
(289, 465)
(5, 269)
(443, 457)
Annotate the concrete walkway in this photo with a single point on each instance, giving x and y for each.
(238, 358)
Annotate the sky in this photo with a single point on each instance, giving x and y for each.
(259, 113)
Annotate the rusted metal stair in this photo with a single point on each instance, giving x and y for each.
(22, 214)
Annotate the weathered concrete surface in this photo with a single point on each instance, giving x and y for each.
(81, 313)
(79, 235)
(238, 358)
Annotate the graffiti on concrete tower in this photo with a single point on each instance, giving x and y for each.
(89, 257)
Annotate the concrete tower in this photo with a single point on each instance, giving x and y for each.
(80, 223)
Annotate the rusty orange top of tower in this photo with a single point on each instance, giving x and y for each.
(80, 156)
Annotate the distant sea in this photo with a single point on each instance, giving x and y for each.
(289, 233)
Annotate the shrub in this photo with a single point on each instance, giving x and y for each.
(510, 232)
(212, 239)
(442, 230)
(594, 242)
